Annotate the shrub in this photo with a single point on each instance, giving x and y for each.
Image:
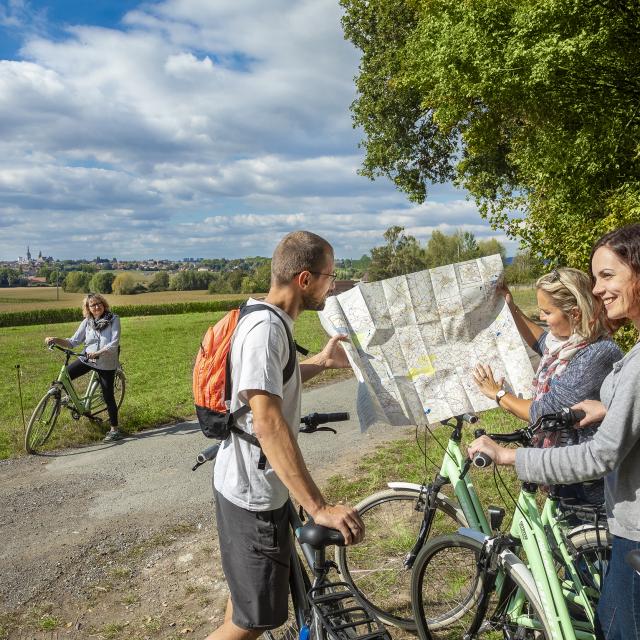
(124, 284)
(77, 282)
(53, 316)
(103, 282)
(160, 281)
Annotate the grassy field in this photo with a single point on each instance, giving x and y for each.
(158, 353)
(29, 298)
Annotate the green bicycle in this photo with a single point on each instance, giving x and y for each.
(62, 393)
(540, 580)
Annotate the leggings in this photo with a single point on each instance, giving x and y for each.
(618, 616)
(106, 380)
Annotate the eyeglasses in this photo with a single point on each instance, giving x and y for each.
(95, 305)
(333, 275)
(554, 276)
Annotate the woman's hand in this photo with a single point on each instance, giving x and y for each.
(594, 412)
(50, 341)
(487, 384)
(93, 355)
(499, 455)
(504, 291)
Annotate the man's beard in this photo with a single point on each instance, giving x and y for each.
(313, 304)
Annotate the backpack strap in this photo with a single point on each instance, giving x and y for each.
(287, 372)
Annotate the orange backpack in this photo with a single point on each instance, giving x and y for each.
(212, 375)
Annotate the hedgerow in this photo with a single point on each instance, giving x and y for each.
(54, 316)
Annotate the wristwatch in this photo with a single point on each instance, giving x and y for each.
(501, 394)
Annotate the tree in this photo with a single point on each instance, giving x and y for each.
(160, 281)
(12, 278)
(262, 277)
(124, 284)
(525, 268)
(530, 105)
(102, 282)
(77, 282)
(402, 254)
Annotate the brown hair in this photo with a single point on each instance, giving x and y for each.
(298, 251)
(86, 313)
(569, 289)
(625, 243)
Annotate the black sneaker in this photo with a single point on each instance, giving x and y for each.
(112, 436)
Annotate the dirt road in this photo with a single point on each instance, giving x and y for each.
(118, 540)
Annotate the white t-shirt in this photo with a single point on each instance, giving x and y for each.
(259, 353)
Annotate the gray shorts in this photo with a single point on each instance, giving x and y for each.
(255, 548)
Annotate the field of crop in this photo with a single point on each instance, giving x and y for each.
(29, 298)
(158, 353)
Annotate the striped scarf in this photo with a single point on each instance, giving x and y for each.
(555, 359)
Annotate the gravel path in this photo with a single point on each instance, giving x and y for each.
(117, 540)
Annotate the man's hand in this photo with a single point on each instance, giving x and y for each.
(499, 455)
(343, 518)
(594, 412)
(333, 356)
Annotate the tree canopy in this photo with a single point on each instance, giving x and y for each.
(404, 254)
(531, 105)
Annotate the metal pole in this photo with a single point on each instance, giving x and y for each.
(24, 424)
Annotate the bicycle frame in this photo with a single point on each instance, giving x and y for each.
(530, 528)
(81, 403)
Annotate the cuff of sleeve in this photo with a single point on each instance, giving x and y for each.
(522, 468)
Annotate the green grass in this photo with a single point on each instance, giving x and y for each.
(158, 353)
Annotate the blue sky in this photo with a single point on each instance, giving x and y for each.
(189, 128)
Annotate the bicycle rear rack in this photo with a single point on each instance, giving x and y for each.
(343, 613)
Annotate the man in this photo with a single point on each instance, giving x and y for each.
(251, 503)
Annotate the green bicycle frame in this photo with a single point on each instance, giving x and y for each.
(451, 469)
(530, 528)
(82, 404)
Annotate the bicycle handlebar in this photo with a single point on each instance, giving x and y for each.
(69, 352)
(310, 422)
(549, 423)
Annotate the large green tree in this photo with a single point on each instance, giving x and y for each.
(531, 105)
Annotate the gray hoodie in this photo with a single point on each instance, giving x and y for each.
(614, 451)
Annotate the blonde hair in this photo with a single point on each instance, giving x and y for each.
(570, 289)
(86, 313)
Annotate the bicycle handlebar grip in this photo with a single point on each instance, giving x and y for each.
(482, 460)
(470, 418)
(208, 454)
(335, 417)
(479, 432)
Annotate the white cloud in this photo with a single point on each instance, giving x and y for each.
(198, 127)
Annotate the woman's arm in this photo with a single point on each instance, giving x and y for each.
(528, 329)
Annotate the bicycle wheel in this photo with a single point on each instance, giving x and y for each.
(97, 404)
(42, 421)
(446, 590)
(375, 566)
(593, 550)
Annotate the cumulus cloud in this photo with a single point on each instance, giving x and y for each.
(194, 127)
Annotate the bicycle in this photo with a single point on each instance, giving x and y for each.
(62, 393)
(552, 595)
(319, 607)
(398, 521)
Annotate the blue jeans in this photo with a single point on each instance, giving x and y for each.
(618, 615)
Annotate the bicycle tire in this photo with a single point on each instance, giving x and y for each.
(42, 421)
(460, 569)
(375, 566)
(593, 549)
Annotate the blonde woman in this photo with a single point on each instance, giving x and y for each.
(100, 333)
(576, 356)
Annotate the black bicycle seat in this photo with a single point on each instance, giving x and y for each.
(318, 537)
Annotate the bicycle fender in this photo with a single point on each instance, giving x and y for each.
(418, 488)
(412, 486)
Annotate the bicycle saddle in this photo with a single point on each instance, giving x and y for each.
(318, 537)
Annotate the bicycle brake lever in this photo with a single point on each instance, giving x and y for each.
(465, 468)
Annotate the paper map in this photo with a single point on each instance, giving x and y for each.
(415, 339)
